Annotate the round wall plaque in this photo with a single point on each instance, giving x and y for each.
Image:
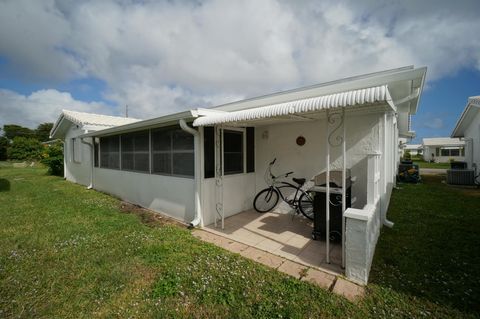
(300, 140)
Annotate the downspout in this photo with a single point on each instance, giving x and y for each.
(385, 221)
(198, 183)
(91, 161)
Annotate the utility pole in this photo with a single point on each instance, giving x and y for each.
(126, 110)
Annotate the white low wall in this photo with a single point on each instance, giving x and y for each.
(173, 196)
(362, 231)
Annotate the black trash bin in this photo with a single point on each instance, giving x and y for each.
(319, 210)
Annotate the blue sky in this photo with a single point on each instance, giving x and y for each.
(442, 102)
(165, 56)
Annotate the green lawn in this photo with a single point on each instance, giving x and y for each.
(69, 252)
(423, 164)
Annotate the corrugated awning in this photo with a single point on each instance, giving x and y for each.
(353, 98)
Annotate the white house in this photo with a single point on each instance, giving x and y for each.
(203, 165)
(443, 149)
(414, 149)
(468, 129)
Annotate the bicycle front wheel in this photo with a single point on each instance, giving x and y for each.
(266, 200)
(305, 205)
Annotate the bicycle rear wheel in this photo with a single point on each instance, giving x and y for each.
(305, 205)
(266, 200)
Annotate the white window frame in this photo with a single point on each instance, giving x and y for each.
(76, 151)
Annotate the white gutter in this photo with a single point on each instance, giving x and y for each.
(91, 161)
(198, 183)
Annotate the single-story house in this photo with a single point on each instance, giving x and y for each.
(414, 149)
(468, 129)
(201, 166)
(443, 149)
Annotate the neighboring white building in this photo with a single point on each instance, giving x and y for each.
(414, 149)
(468, 129)
(443, 149)
(203, 165)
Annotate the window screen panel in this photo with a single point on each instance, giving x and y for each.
(161, 140)
(183, 164)
(455, 152)
(141, 142)
(142, 162)
(96, 153)
(161, 163)
(182, 140)
(209, 151)
(109, 152)
(445, 152)
(250, 149)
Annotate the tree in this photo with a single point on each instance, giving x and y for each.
(12, 130)
(24, 148)
(52, 157)
(4, 144)
(42, 132)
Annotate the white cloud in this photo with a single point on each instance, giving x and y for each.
(435, 123)
(160, 57)
(41, 106)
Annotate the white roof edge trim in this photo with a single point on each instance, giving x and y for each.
(344, 99)
(473, 101)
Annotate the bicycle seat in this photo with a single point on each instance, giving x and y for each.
(299, 181)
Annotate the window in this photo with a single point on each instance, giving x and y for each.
(110, 152)
(445, 152)
(233, 152)
(136, 152)
(250, 149)
(209, 151)
(437, 151)
(96, 149)
(462, 151)
(172, 151)
(76, 150)
(455, 152)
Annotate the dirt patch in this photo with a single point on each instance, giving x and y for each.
(473, 192)
(148, 217)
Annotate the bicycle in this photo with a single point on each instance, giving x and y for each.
(267, 199)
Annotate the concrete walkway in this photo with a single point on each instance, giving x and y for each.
(326, 280)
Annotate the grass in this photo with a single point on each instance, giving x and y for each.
(69, 252)
(423, 164)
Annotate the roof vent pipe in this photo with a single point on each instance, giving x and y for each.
(198, 183)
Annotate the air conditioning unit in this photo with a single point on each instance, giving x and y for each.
(461, 177)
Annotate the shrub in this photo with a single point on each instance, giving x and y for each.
(52, 157)
(407, 155)
(24, 148)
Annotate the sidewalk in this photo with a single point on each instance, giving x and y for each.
(325, 280)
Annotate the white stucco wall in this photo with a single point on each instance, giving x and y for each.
(306, 161)
(76, 172)
(173, 196)
(472, 150)
(429, 150)
(238, 195)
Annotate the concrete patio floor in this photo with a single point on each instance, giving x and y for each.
(283, 236)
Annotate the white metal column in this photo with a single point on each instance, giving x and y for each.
(219, 172)
(327, 194)
(344, 185)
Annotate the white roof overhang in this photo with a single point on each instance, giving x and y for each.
(467, 116)
(302, 109)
